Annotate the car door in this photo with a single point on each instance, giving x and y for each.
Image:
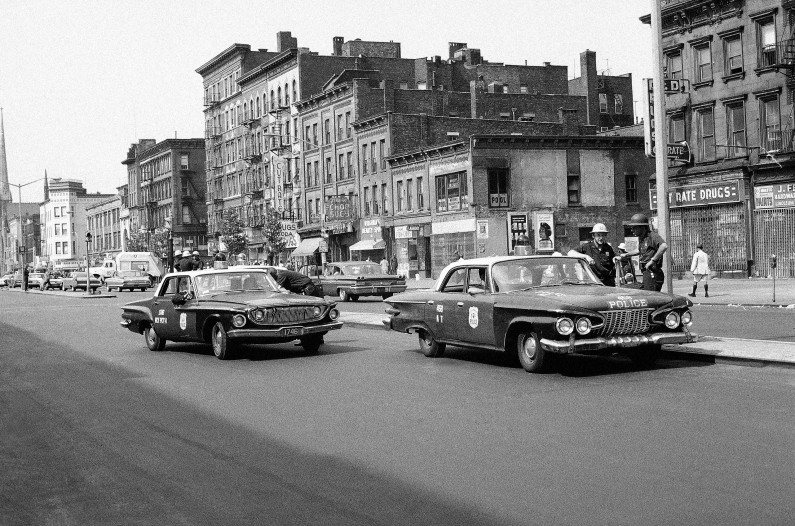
(175, 322)
(440, 308)
(470, 307)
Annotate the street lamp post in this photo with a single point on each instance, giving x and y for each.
(19, 204)
(88, 267)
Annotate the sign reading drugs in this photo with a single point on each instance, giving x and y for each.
(708, 194)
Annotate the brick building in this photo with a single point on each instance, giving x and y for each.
(737, 194)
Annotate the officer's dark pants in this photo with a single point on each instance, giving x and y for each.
(653, 279)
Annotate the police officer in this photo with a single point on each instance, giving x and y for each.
(599, 254)
(197, 262)
(295, 282)
(651, 247)
(177, 258)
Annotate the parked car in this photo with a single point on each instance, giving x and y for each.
(56, 280)
(35, 279)
(349, 280)
(77, 281)
(6, 280)
(128, 279)
(538, 306)
(225, 306)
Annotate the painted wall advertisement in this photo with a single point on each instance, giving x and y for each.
(543, 226)
(700, 195)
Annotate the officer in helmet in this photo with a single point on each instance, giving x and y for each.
(197, 262)
(177, 259)
(651, 247)
(599, 254)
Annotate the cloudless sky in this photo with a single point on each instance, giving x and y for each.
(81, 80)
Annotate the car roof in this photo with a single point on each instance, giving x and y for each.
(353, 263)
(217, 271)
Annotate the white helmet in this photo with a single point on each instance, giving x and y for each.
(599, 228)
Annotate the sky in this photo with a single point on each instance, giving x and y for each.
(81, 80)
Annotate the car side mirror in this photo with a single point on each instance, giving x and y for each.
(180, 298)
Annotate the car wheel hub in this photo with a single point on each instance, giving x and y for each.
(529, 348)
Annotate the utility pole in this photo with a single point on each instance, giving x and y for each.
(660, 138)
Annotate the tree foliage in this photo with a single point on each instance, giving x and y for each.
(274, 233)
(150, 241)
(233, 234)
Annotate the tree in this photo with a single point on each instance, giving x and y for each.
(232, 233)
(274, 233)
(138, 242)
(146, 241)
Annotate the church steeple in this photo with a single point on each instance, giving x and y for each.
(46, 187)
(5, 191)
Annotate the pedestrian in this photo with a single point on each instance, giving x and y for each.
(700, 269)
(25, 274)
(295, 282)
(384, 265)
(651, 248)
(197, 262)
(45, 281)
(599, 255)
(393, 264)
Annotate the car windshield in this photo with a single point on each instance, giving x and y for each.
(130, 274)
(78, 275)
(524, 274)
(244, 281)
(361, 269)
(37, 275)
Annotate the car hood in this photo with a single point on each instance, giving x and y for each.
(263, 299)
(591, 298)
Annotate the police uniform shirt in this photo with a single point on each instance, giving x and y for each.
(602, 254)
(292, 281)
(648, 246)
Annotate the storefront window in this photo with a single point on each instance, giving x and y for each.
(451, 192)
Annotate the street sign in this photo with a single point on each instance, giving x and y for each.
(673, 86)
(679, 152)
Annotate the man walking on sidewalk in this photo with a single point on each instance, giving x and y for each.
(700, 269)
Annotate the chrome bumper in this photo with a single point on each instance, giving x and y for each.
(277, 333)
(370, 289)
(596, 344)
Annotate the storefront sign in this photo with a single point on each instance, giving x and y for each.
(775, 196)
(338, 208)
(371, 228)
(290, 233)
(701, 195)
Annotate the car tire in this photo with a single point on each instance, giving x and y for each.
(344, 295)
(220, 342)
(430, 347)
(387, 295)
(646, 355)
(532, 357)
(354, 297)
(153, 341)
(312, 342)
(142, 290)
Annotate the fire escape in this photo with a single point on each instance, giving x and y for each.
(280, 147)
(782, 58)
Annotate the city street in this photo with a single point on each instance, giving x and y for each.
(96, 429)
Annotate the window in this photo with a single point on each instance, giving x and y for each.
(400, 196)
(603, 103)
(309, 174)
(295, 91)
(349, 163)
(295, 129)
(673, 65)
(735, 129)
(733, 53)
(64, 229)
(327, 131)
(384, 197)
(451, 192)
(770, 124)
(375, 199)
(705, 121)
(339, 128)
(766, 42)
(382, 152)
(341, 166)
(420, 196)
(328, 169)
(702, 61)
(314, 135)
(57, 247)
(366, 200)
(348, 124)
(498, 187)
(183, 161)
(286, 95)
(631, 187)
(403, 85)
(676, 128)
(185, 215)
(373, 159)
(522, 88)
(618, 101)
(409, 189)
(57, 211)
(573, 176)
(57, 230)
(364, 159)
(316, 170)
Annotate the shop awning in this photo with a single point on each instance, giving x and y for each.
(369, 244)
(307, 247)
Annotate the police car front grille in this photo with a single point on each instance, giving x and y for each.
(285, 315)
(630, 321)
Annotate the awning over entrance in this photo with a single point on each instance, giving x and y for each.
(369, 244)
(307, 247)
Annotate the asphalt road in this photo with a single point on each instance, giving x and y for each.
(95, 429)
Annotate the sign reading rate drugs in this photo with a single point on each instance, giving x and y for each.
(708, 194)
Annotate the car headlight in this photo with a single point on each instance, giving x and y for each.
(687, 318)
(564, 326)
(238, 320)
(317, 312)
(258, 315)
(672, 320)
(334, 314)
(583, 326)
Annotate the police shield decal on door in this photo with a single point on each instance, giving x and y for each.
(473, 317)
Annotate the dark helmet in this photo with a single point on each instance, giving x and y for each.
(523, 239)
(638, 220)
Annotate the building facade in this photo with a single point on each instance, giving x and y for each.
(22, 241)
(737, 193)
(105, 226)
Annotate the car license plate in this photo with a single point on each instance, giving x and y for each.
(292, 331)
